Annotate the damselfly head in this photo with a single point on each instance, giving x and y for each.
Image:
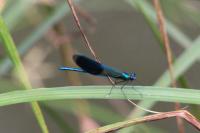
(133, 76)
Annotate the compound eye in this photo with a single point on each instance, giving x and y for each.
(133, 76)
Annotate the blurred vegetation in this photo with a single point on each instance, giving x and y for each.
(45, 36)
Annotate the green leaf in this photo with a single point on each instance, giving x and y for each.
(14, 56)
(164, 94)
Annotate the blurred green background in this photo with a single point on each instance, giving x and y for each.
(47, 37)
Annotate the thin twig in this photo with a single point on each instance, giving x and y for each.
(87, 43)
(165, 39)
(179, 113)
(71, 5)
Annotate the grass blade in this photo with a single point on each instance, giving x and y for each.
(165, 94)
(14, 56)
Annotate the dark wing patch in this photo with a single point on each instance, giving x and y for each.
(88, 64)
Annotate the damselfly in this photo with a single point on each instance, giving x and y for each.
(93, 67)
